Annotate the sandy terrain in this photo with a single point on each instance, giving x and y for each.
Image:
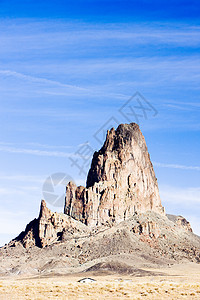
(177, 282)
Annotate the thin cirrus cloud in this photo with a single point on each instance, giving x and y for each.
(37, 145)
(64, 33)
(174, 70)
(176, 166)
(173, 64)
(7, 73)
(49, 146)
(37, 152)
(66, 88)
(20, 178)
(19, 191)
(40, 152)
(49, 113)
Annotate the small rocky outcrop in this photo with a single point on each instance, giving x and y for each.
(49, 228)
(180, 221)
(148, 228)
(120, 182)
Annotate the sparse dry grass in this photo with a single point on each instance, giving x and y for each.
(180, 283)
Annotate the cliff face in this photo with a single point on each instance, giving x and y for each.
(120, 182)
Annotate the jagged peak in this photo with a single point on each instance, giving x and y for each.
(120, 182)
(121, 137)
(44, 210)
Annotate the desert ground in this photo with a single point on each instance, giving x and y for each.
(174, 282)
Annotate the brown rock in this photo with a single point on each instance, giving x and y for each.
(148, 228)
(180, 221)
(120, 182)
(50, 227)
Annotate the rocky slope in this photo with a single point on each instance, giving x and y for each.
(116, 220)
(145, 240)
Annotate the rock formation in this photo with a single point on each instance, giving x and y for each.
(48, 228)
(120, 182)
(180, 221)
(118, 214)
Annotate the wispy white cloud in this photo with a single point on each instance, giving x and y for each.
(65, 33)
(18, 75)
(36, 152)
(56, 88)
(176, 166)
(157, 70)
(178, 106)
(49, 146)
(181, 104)
(18, 191)
(38, 145)
(50, 113)
(179, 195)
(182, 107)
(16, 178)
(108, 65)
(172, 68)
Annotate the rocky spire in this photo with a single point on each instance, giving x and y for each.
(120, 182)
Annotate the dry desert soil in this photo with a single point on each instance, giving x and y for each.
(175, 282)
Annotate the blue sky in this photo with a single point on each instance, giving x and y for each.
(66, 69)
